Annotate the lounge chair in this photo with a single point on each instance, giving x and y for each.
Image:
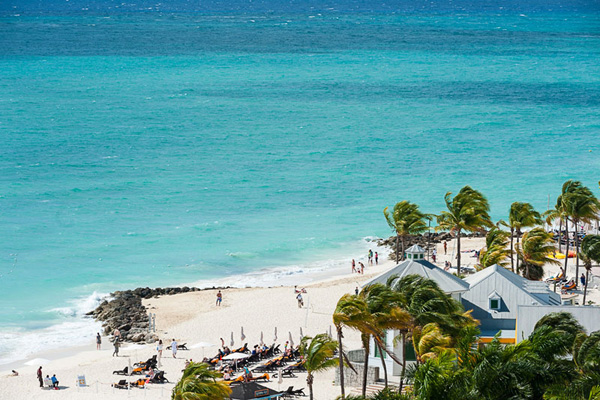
(291, 392)
(243, 349)
(179, 347)
(140, 383)
(123, 371)
(122, 384)
(263, 377)
(276, 349)
(239, 379)
(571, 285)
(159, 377)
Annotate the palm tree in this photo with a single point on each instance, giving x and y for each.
(427, 303)
(405, 219)
(385, 307)
(200, 383)
(350, 311)
(467, 211)
(429, 341)
(318, 354)
(534, 251)
(521, 215)
(590, 249)
(582, 206)
(495, 251)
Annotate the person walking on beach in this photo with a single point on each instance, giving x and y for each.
(219, 298)
(174, 348)
(582, 279)
(300, 301)
(370, 257)
(98, 341)
(376, 258)
(445, 248)
(356, 291)
(117, 334)
(159, 349)
(362, 268)
(116, 343)
(353, 266)
(40, 376)
(434, 255)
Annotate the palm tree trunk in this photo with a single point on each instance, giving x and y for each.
(458, 252)
(576, 255)
(518, 237)
(512, 261)
(341, 361)
(397, 247)
(403, 246)
(365, 367)
(403, 363)
(383, 365)
(567, 246)
(559, 235)
(587, 277)
(309, 382)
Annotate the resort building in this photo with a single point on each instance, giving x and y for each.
(505, 303)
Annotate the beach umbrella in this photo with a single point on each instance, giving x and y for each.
(232, 342)
(280, 380)
(261, 338)
(291, 340)
(202, 345)
(275, 339)
(236, 357)
(243, 336)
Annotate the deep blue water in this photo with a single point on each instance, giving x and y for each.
(159, 147)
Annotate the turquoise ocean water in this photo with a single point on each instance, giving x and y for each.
(166, 147)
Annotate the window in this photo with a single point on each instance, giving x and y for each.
(494, 304)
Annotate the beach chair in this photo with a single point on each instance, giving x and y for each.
(276, 349)
(243, 349)
(263, 377)
(290, 392)
(140, 383)
(159, 377)
(571, 285)
(239, 379)
(121, 371)
(122, 384)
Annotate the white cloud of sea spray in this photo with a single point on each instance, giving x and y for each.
(72, 328)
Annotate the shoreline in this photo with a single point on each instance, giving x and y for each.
(302, 274)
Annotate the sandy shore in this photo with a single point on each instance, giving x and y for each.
(193, 317)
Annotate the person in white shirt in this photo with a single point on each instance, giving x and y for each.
(174, 348)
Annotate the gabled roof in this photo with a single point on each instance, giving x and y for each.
(539, 290)
(448, 283)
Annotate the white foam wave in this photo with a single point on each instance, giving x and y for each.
(72, 329)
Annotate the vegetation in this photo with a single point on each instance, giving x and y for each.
(534, 252)
(590, 249)
(521, 215)
(318, 354)
(495, 251)
(467, 211)
(199, 382)
(405, 219)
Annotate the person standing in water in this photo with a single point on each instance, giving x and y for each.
(353, 266)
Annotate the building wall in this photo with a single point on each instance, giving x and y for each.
(477, 299)
(528, 316)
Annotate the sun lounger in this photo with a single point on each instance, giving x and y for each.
(571, 285)
(122, 384)
(140, 383)
(159, 377)
(291, 392)
(123, 371)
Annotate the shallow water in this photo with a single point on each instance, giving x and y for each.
(160, 148)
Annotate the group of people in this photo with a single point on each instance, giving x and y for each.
(48, 381)
(298, 293)
(360, 269)
(371, 257)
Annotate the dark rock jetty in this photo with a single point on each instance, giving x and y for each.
(124, 311)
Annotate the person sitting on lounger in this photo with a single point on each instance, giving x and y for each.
(151, 373)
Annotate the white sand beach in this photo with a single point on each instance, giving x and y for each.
(193, 318)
